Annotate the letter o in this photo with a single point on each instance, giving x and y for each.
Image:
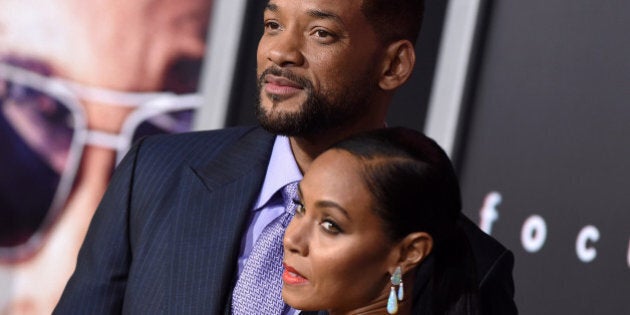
(534, 233)
(584, 253)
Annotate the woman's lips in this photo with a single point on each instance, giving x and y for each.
(292, 277)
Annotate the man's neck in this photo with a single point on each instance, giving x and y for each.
(307, 148)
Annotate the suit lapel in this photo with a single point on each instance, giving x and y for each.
(249, 153)
(209, 238)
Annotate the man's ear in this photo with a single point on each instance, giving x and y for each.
(414, 248)
(399, 59)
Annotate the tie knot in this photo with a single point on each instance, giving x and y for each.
(289, 193)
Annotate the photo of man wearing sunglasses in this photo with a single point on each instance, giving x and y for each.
(79, 82)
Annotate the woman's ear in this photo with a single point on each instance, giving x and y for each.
(414, 248)
(400, 57)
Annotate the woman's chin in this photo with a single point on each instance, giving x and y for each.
(298, 301)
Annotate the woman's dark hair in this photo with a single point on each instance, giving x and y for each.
(415, 188)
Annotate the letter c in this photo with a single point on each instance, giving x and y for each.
(534, 233)
(586, 254)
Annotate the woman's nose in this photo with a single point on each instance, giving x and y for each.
(296, 237)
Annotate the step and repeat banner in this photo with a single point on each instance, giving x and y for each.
(79, 82)
(545, 148)
(542, 150)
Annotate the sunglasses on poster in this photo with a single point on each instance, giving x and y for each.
(43, 131)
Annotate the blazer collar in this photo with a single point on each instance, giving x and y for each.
(232, 181)
(250, 152)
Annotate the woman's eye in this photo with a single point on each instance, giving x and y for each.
(330, 227)
(299, 209)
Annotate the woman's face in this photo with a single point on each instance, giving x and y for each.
(336, 256)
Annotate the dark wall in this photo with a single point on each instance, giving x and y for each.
(410, 103)
(548, 130)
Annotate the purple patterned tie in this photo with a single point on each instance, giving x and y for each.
(258, 289)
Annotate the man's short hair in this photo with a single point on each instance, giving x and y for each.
(394, 19)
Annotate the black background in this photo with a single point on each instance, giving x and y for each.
(548, 127)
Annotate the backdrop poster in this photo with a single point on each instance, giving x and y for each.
(80, 81)
(544, 163)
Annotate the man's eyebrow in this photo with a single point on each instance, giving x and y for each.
(271, 7)
(324, 15)
(319, 14)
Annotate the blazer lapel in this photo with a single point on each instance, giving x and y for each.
(209, 238)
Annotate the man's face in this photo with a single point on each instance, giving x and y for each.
(317, 66)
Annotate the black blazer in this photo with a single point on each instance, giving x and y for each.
(166, 235)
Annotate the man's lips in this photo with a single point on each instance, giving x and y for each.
(291, 276)
(280, 85)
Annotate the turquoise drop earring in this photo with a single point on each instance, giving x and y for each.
(392, 301)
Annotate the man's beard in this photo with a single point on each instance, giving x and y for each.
(320, 113)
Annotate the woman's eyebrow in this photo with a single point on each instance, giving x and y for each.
(334, 205)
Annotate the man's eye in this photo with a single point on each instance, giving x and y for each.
(323, 34)
(272, 25)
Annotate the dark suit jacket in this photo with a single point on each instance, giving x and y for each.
(166, 236)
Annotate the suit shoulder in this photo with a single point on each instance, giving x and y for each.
(200, 144)
(478, 237)
(213, 137)
(486, 249)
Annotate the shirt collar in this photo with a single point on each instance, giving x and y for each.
(282, 169)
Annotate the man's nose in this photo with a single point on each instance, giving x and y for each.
(287, 49)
